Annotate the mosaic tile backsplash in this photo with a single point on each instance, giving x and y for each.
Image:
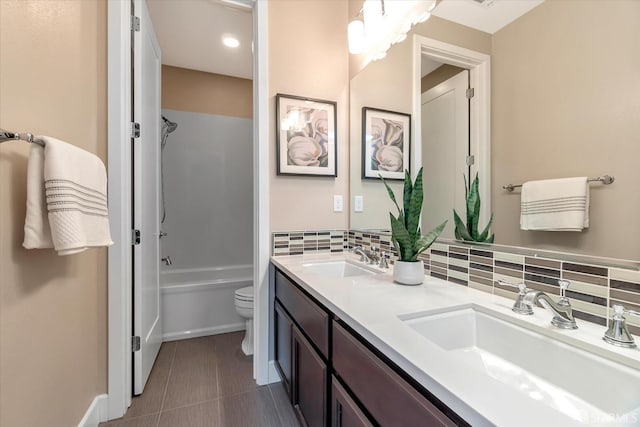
(593, 290)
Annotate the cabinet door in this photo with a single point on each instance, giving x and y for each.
(387, 397)
(344, 411)
(282, 328)
(309, 382)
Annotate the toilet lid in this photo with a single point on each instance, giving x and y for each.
(245, 294)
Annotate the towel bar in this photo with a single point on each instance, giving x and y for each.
(605, 179)
(6, 135)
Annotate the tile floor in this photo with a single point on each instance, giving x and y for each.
(209, 382)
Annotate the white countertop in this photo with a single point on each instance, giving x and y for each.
(372, 304)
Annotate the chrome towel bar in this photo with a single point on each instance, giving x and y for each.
(605, 179)
(6, 135)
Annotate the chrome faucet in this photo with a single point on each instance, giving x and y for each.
(618, 333)
(358, 250)
(384, 260)
(519, 306)
(562, 311)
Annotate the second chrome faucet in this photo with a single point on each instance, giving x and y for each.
(561, 310)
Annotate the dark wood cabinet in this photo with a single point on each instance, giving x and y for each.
(312, 319)
(334, 379)
(389, 399)
(309, 382)
(283, 346)
(344, 410)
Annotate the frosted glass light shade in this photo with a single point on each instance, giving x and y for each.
(355, 32)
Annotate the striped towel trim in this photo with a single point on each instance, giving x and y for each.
(70, 203)
(54, 198)
(52, 184)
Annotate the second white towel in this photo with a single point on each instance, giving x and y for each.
(555, 205)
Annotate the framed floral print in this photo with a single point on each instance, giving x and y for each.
(306, 136)
(386, 137)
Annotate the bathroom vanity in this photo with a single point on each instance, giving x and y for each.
(355, 349)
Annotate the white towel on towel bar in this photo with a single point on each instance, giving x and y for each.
(555, 205)
(66, 199)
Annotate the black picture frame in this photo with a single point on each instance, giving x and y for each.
(386, 144)
(306, 136)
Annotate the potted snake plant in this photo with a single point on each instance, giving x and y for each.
(406, 234)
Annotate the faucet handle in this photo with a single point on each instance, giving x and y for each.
(617, 333)
(520, 306)
(521, 286)
(384, 260)
(564, 284)
(619, 310)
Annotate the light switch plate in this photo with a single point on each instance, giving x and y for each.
(337, 203)
(358, 203)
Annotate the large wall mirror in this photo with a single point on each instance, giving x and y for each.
(564, 85)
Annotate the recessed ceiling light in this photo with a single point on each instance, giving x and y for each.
(230, 41)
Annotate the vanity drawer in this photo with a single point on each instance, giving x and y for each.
(389, 399)
(313, 320)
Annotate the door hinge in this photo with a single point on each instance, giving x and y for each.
(135, 130)
(470, 93)
(470, 160)
(135, 343)
(135, 237)
(135, 23)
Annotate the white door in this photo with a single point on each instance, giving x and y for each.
(146, 204)
(445, 147)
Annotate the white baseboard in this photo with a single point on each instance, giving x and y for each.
(203, 332)
(96, 413)
(274, 376)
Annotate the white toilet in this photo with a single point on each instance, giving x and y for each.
(243, 301)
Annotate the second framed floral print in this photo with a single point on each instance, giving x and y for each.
(306, 136)
(386, 137)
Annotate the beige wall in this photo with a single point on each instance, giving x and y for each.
(208, 93)
(387, 84)
(439, 75)
(565, 102)
(53, 341)
(308, 57)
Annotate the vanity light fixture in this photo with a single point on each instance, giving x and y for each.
(380, 24)
(230, 41)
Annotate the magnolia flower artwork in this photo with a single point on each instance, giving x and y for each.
(306, 136)
(386, 137)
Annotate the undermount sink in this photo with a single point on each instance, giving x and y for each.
(337, 269)
(575, 382)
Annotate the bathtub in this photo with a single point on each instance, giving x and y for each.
(199, 302)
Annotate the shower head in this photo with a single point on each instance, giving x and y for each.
(171, 126)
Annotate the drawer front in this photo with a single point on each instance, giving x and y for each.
(344, 411)
(389, 399)
(312, 319)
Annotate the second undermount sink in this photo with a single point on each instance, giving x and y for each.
(337, 269)
(575, 382)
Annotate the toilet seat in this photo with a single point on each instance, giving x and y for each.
(244, 294)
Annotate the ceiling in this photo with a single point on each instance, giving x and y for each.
(488, 16)
(190, 35)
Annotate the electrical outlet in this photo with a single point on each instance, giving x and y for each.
(358, 203)
(337, 203)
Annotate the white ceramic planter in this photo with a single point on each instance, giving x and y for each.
(408, 273)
